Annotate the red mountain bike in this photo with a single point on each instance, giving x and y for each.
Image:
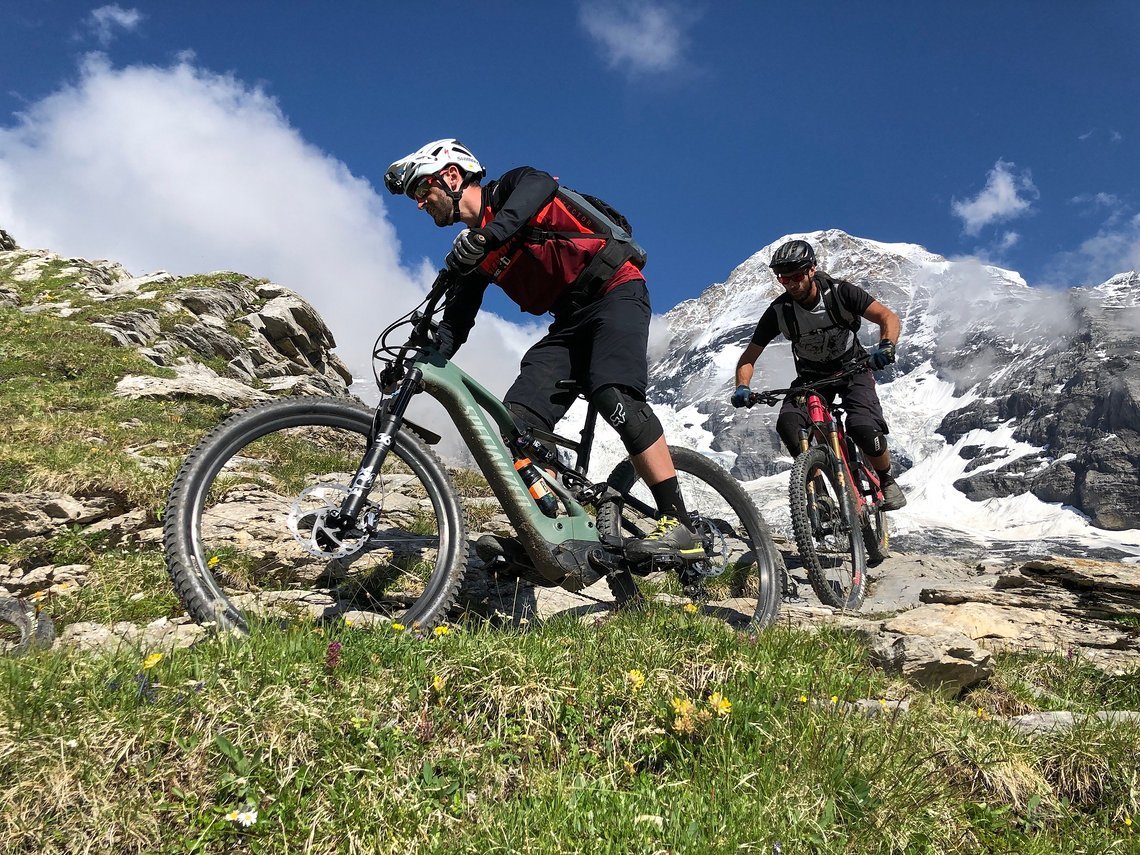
(835, 497)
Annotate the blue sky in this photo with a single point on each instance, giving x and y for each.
(254, 135)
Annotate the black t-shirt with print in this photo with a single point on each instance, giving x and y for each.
(822, 346)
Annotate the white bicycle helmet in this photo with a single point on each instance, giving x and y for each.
(403, 175)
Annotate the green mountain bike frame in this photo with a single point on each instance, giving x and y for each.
(560, 548)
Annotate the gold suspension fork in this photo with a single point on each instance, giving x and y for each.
(833, 441)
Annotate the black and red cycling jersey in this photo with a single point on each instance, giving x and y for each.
(535, 271)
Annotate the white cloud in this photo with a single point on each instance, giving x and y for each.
(106, 21)
(639, 36)
(1007, 241)
(1007, 195)
(185, 170)
(1116, 249)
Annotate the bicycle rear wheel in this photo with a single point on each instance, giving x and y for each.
(827, 531)
(741, 560)
(873, 521)
(248, 523)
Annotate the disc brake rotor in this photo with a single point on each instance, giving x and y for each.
(310, 520)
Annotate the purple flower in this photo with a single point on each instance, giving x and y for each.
(332, 656)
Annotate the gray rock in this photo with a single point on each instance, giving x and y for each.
(1048, 722)
(193, 380)
(948, 662)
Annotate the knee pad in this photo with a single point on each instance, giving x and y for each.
(527, 419)
(631, 417)
(788, 426)
(869, 438)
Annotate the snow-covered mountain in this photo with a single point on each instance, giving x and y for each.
(1014, 411)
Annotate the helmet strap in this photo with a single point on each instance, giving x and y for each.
(456, 195)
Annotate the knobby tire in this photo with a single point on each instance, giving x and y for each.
(828, 534)
(230, 547)
(726, 515)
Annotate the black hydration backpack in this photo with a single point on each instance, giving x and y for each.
(605, 221)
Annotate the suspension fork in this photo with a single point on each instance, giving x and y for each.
(385, 424)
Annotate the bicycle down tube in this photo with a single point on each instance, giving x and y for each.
(482, 419)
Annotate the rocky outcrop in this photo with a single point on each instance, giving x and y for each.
(1081, 405)
(257, 338)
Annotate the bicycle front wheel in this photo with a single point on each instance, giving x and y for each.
(250, 523)
(741, 560)
(828, 534)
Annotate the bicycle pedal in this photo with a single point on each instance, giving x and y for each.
(665, 562)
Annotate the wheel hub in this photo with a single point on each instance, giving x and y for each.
(315, 523)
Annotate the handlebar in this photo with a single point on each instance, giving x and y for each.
(771, 397)
(421, 319)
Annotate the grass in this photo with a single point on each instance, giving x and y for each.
(647, 732)
(659, 731)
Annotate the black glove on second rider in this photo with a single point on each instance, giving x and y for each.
(883, 355)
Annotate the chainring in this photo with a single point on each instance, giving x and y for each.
(715, 540)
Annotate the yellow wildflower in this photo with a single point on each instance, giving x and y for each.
(720, 704)
(982, 713)
(397, 627)
(441, 630)
(151, 661)
(438, 682)
(683, 707)
(38, 596)
(835, 699)
(803, 699)
(1128, 821)
(213, 562)
(635, 679)
(691, 608)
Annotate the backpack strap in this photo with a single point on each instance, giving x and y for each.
(791, 326)
(839, 314)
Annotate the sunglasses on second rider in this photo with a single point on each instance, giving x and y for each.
(789, 278)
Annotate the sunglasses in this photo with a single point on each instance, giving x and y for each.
(789, 278)
(421, 190)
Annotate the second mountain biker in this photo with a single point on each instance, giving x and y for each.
(820, 315)
(519, 234)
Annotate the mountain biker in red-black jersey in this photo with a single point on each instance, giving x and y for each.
(820, 315)
(520, 236)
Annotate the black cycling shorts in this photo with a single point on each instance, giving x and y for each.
(601, 344)
(859, 399)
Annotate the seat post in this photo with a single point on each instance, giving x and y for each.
(582, 464)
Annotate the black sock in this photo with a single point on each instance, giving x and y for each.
(667, 496)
